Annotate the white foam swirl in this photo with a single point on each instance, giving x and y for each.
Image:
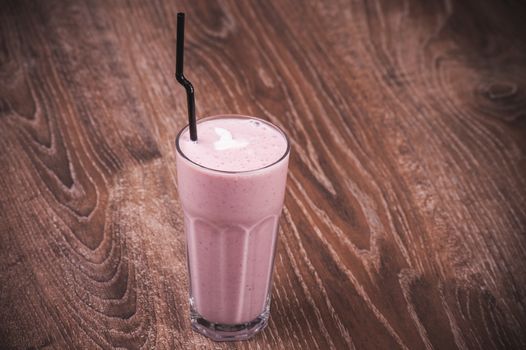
(226, 141)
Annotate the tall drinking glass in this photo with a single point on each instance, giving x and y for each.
(231, 184)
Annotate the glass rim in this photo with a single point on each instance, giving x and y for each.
(233, 116)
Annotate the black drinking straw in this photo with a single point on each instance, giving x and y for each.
(182, 80)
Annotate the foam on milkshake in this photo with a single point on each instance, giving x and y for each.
(231, 144)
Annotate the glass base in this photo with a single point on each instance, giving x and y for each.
(229, 332)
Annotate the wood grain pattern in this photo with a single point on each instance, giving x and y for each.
(405, 216)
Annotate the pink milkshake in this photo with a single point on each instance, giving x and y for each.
(231, 185)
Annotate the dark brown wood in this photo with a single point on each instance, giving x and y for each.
(405, 217)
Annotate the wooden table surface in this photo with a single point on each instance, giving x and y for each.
(405, 214)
